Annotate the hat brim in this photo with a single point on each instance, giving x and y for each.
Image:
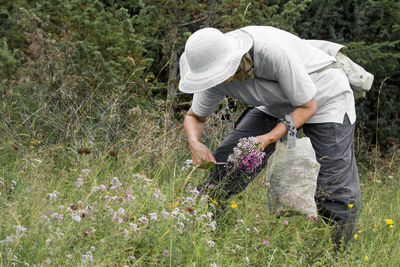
(192, 82)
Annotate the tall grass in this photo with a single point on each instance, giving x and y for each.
(62, 208)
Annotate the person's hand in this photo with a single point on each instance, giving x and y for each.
(201, 155)
(264, 140)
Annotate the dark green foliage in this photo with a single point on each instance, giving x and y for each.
(67, 67)
(371, 31)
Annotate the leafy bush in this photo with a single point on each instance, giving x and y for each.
(371, 31)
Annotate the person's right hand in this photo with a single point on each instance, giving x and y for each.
(201, 155)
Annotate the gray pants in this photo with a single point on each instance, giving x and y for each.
(337, 185)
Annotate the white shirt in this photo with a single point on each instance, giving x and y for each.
(285, 78)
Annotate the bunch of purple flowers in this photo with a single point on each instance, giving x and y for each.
(247, 154)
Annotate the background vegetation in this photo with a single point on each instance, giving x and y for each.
(93, 85)
(67, 66)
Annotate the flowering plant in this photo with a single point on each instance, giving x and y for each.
(247, 154)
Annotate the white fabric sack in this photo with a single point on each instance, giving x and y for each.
(292, 173)
(360, 80)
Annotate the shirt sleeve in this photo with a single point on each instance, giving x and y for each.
(285, 67)
(204, 102)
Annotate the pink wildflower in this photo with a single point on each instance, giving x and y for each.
(247, 154)
(166, 252)
(211, 243)
(15, 147)
(266, 242)
(285, 222)
(314, 219)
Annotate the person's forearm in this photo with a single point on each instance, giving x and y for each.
(193, 128)
(300, 115)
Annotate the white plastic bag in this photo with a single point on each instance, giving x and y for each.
(292, 173)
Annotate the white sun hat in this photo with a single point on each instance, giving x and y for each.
(211, 57)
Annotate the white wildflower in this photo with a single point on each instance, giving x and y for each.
(79, 182)
(85, 172)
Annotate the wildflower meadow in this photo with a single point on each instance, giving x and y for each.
(93, 148)
(62, 207)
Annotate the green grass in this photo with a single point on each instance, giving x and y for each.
(113, 231)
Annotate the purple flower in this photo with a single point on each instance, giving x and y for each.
(53, 195)
(266, 242)
(166, 252)
(211, 243)
(285, 222)
(153, 216)
(247, 154)
(314, 219)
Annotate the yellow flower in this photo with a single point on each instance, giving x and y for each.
(390, 226)
(355, 236)
(31, 147)
(21, 172)
(366, 257)
(234, 205)
(174, 204)
(389, 221)
(214, 201)
(351, 206)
